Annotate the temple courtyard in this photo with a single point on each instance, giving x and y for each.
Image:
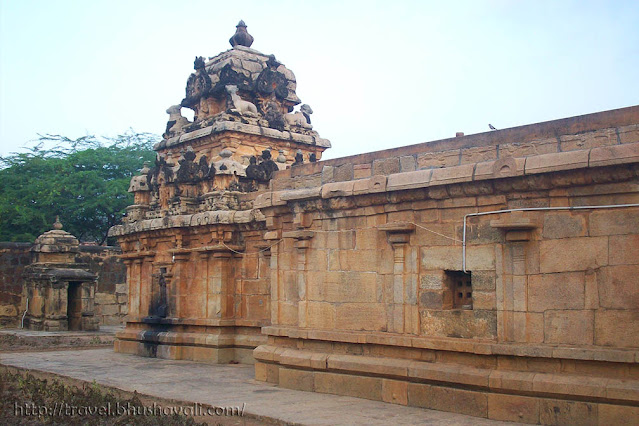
(221, 385)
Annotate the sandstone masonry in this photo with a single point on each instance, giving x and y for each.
(493, 275)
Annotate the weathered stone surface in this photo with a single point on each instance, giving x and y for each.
(360, 316)
(527, 149)
(513, 408)
(617, 328)
(296, 379)
(558, 412)
(528, 327)
(624, 249)
(614, 221)
(569, 327)
(361, 171)
(556, 291)
(343, 172)
(450, 175)
(483, 280)
(450, 258)
(433, 280)
(8, 311)
(619, 154)
(629, 134)
(619, 287)
(563, 225)
(407, 163)
(588, 140)
(458, 323)
(386, 166)
(478, 154)
(395, 392)
(438, 159)
(573, 254)
(431, 299)
(559, 161)
(341, 384)
(409, 180)
(617, 414)
(448, 399)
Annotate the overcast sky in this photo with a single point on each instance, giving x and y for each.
(377, 74)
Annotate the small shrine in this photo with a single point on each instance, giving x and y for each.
(59, 292)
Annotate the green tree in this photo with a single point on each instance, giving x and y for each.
(84, 181)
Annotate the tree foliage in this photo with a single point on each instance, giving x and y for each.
(84, 181)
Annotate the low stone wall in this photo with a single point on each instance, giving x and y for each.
(13, 258)
(541, 140)
(111, 292)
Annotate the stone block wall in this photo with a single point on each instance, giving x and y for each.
(369, 263)
(562, 280)
(538, 143)
(13, 258)
(111, 291)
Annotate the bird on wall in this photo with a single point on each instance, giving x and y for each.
(491, 127)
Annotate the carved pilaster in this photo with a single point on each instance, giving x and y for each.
(512, 279)
(402, 309)
(302, 243)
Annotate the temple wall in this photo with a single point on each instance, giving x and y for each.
(13, 258)
(492, 274)
(111, 291)
(369, 256)
(217, 293)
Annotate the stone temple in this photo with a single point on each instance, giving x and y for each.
(495, 275)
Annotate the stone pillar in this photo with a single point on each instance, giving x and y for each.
(403, 309)
(200, 290)
(175, 289)
(271, 237)
(136, 276)
(223, 287)
(89, 320)
(133, 289)
(302, 243)
(511, 277)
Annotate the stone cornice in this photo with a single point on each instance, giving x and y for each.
(232, 126)
(183, 221)
(481, 171)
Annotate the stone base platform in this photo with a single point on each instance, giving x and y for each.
(522, 383)
(20, 339)
(218, 342)
(181, 383)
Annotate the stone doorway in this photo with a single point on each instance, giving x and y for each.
(74, 305)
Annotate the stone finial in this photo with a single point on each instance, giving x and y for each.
(57, 224)
(145, 168)
(241, 36)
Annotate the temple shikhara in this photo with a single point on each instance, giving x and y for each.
(494, 275)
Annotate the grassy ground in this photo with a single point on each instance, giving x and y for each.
(27, 400)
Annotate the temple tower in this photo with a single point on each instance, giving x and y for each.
(197, 263)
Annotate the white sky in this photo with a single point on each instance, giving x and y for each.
(377, 74)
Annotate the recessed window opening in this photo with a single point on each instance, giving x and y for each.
(460, 285)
